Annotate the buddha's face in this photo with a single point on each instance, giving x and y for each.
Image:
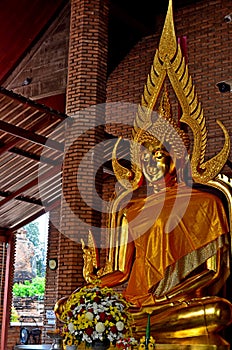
(155, 161)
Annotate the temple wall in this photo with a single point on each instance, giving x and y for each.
(46, 64)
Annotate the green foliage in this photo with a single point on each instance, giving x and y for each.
(14, 317)
(30, 289)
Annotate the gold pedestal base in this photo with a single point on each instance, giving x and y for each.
(197, 343)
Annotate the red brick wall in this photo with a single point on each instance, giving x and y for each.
(87, 69)
(13, 337)
(53, 251)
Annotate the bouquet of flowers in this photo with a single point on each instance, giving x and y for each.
(127, 343)
(96, 314)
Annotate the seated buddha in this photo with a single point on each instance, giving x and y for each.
(169, 236)
(175, 256)
(175, 253)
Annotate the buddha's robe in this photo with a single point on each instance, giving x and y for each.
(169, 236)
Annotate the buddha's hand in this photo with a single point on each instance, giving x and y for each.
(90, 263)
(60, 307)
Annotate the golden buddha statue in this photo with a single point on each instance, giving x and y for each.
(169, 243)
(175, 256)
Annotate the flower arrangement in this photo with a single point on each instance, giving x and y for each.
(127, 343)
(96, 314)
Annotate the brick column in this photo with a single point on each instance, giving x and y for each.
(86, 88)
(52, 276)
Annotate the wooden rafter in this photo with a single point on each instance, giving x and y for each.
(31, 136)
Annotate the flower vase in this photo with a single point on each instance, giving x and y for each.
(71, 347)
(100, 345)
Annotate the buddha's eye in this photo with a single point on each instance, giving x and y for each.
(159, 154)
(146, 156)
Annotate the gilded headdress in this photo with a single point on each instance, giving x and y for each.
(169, 64)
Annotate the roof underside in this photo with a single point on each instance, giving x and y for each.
(31, 157)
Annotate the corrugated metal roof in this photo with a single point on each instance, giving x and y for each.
(25, 128)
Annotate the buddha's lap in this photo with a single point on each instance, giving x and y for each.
(195, 315)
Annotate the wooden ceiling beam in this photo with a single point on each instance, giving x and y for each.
(33, 217)
(9, 147)
(31, 184)
(37, 106)
(3, 235)
(34, 156)
(13, 195)
(31, 136)
(26, 221)
(21, 198)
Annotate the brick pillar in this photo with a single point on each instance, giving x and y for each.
(52, 276)
(86, 88)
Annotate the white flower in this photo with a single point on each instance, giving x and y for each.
(77, 309)
(95, 307)
(71, 328)
(110, 337)
(100, 327)
(101, 308)
(89, 316)
(119, 326)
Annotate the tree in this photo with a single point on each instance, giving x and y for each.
(40, 254)
(33, 233)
